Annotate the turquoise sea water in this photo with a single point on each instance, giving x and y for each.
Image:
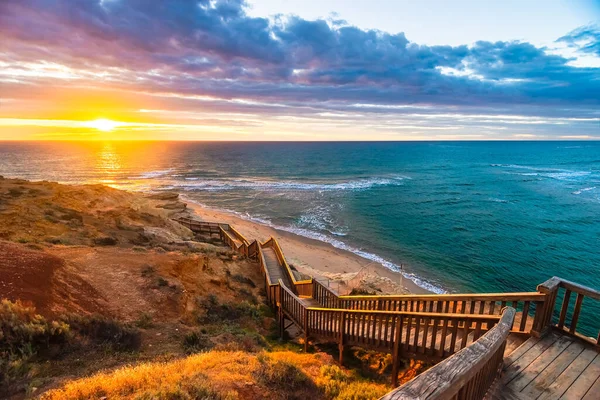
(460, 216)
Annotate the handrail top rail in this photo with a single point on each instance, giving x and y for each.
(472, 317)
(304, 282)
(226, 233)
(516, 296)
(196, 222)
(555, 282)
(239, 235)
(445, 379)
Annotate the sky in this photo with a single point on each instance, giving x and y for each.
(299, 70)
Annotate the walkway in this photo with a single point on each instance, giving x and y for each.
(556, 366)
(274, 268)
(563, 364)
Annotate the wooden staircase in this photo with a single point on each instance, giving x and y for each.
(494, 345)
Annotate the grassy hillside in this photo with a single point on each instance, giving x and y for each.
(103, 296)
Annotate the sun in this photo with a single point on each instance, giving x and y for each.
(103, 124)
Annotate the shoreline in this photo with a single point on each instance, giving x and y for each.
(344, 269)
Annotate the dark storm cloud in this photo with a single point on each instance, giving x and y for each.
(214, 48)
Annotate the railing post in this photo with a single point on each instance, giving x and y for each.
(543, 317)
(281, 314)
(342, 327)
(305, 323)
(396, 355)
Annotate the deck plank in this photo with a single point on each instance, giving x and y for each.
(536, 387)
(569, 375)
(585, 381)
(594, 392)
(539, 364)
(528, 357)
(508, 361)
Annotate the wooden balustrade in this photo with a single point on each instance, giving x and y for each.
(292, 306)
(528, 304)
(230, 241)
(468, 374)
(253, 249)
(568, 317)
(201, 226)
(325, 295)
(304, 288)
(433, 336)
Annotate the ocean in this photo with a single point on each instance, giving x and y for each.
(458, 216)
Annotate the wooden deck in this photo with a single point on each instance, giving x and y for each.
(556, 366)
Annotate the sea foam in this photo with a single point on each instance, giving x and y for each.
(194, 184)
(332, 241)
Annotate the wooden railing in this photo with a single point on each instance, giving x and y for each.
(568, 317)
(468, 374)
(529, 304)
(228, 234)
(433, 336)
(302, 287)
(201, 226)
(467, 331)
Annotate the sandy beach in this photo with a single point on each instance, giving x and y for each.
(344, 269)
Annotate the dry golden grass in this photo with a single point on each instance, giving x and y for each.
(226, 375)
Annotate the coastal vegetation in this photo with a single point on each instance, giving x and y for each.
(103, 296)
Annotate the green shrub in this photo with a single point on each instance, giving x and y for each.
(196, 341)
(216, 312)
(144, 321)
(281, 375)
(23, 333)
(106, 331)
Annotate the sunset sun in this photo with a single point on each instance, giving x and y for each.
(103, 124)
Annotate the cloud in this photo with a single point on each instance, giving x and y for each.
(585, 39)
(188, 51)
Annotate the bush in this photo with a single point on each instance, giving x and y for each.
(106, 331)
(196, 341)
(339, 384)
(162, 282)
(105, 241)
(217, 312)
(280, 374)
(23, 333)
(15, 192)
(234, 338)
(242, 279)
(198, 389)
(144, 321)
(148, 270)
(361, 292)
